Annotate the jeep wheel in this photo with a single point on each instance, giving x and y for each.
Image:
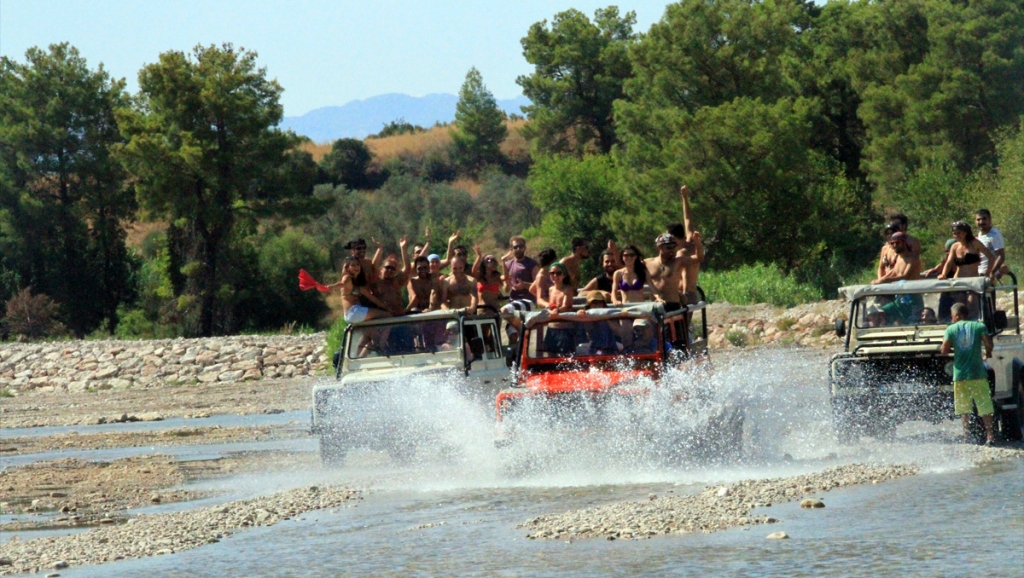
(1010, 420)
(332, 453)
(843, 424)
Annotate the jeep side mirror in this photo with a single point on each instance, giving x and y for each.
(841, 327)
(999, 320)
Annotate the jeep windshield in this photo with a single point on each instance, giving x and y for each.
(404, 338)
(914, 309)
(581, 338)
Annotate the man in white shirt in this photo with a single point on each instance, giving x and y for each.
(991, 238)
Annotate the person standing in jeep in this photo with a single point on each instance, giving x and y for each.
(970, 378)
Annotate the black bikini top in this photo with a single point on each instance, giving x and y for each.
(967, 259)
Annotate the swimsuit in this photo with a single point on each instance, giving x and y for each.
(967, 259)
(492, 288)
(634, 286)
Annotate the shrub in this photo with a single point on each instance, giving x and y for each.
(737, 337)
(758, 283)
(33, 316)
(785, 323)
(334, 337)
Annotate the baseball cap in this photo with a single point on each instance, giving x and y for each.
(434, 257)
(665, 239)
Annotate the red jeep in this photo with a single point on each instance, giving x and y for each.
(634, 369)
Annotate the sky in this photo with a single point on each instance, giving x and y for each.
(323, 52)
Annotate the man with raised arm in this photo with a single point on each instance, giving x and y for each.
(392, 279)
(689, 243)
(664, 272)
(906, 266)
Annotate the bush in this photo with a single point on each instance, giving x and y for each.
(758, 283)
(334, 337)
(33, 316)
(737, 337)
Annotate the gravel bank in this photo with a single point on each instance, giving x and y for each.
(167, 437)
(160, 534)
(721, 507)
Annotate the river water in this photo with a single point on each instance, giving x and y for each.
(459, 516)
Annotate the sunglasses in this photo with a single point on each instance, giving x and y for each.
(389, 268)
(557, 273)
(629, 254)
(518, 246)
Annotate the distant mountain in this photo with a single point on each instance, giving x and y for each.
(361, 118)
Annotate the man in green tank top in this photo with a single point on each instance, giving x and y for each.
(970, 379)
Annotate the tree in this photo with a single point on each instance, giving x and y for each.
(579, 70)
(479, 125)
(62, 196)
(574, 196)
(347, 163)
(205, 155)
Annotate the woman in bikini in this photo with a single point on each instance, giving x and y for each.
(459, 290)
(628, 282)
(965, 255)
(542, 282)
(561, 293)
(357, 301)
(488, 280)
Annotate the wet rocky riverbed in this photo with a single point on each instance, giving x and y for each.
(214, 496)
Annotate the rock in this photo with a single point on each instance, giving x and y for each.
(150, 416)
(811, 503)
(231, 375)
(723, 492)
(777, 536)
(6, 562)
(60, 565)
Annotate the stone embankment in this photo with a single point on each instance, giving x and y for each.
(98, 365)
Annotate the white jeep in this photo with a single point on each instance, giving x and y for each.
(379, 364)
(892, 370)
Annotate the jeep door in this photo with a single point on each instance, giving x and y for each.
(486, 372)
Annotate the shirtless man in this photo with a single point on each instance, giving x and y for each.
(580, 251)
(420, 286)
(664, 272)
(899, 222)
(458, 289)
(689, 242)
(392, 279)
(886, 257)
(436, 280)
(906, 266)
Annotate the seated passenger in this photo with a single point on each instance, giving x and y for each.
(903, 309)
(644, 339)
(875, 316)
(602, 336)
(452, 339)
(603, 282)
(928, 316)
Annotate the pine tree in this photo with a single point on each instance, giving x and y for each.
(479, 126)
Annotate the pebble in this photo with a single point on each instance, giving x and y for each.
(777, 536)
(811, 503)
(715, 508)
(162, 534)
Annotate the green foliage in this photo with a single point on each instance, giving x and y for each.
(397, 127)
(757, 283)
(505, 204)
(574, 196)
(32, 316)
(347, 163)
(579, 70)
(6, 393)
(61, 195)
(335, 335)
(281, 300)
(205, 155)
(480, 126)
(737, 337)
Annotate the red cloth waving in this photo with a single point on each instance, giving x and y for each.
(307, 282)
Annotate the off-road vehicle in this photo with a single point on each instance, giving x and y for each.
(585, 369)
(381, 361)
(892, 369)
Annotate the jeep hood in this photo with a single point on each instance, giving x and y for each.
(396, 374)
(570, 381)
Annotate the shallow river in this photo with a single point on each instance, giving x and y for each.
(459, 517)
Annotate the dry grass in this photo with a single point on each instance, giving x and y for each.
(138, 231)
(420, 143)
(469, 185)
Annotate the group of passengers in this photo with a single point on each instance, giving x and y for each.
(372, 288)
(966, 255)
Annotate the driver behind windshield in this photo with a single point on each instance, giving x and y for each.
(644, 338)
